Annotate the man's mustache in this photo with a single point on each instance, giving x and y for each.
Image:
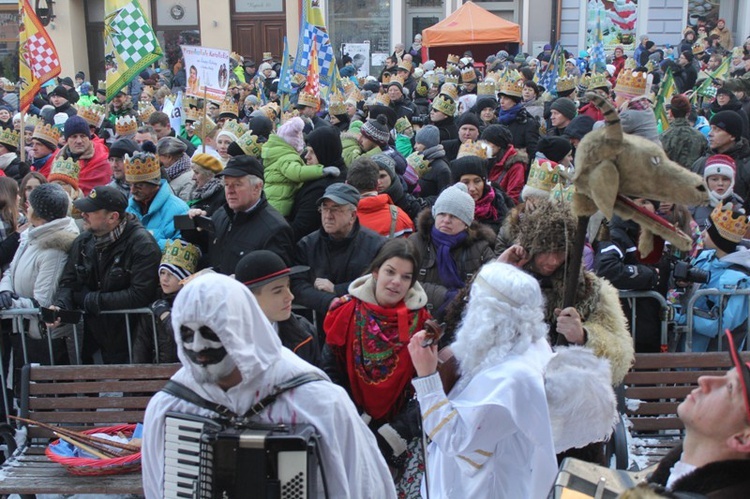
(208, 356)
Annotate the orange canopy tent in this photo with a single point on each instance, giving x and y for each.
(471, 25)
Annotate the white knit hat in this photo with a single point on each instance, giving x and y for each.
(456, 201)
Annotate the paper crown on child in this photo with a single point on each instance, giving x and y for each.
(180, 258)
(249, 144)
(729, 224)
(65, 170)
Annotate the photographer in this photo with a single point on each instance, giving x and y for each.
(729, 267)
(619, 261)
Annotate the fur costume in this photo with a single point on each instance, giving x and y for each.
(611, 164)
(550, 227)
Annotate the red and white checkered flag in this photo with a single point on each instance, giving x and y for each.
(38, 61)
(312, 86)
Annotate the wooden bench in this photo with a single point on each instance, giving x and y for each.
(78, 397)
(661, 381)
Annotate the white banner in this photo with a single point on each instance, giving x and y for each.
(207, 72)
(360, 54)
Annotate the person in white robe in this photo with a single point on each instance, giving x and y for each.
(232, 356)
(491, 435)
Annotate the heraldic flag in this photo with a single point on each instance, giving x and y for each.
(130, 45)
(38, 61)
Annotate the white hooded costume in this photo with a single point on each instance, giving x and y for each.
(492, 434)
(353, 465)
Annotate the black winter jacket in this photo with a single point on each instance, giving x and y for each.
(525, 131)
(339, 261)
(122, 276)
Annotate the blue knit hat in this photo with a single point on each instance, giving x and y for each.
(75, 124)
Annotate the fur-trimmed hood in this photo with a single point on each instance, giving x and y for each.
(363, 288)
(477, 231)
(58, 234)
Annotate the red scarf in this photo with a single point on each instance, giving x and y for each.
(485, 206)
(371, 342)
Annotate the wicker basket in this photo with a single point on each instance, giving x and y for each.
(86, 466)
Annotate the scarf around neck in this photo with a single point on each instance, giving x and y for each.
(509, 116)
(179, 167)
(485, 206)
(447, 268)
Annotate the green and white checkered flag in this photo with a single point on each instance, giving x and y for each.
(130, 43)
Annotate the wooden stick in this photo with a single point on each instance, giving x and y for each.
(22, 145)
(84, 447)
(79, 435)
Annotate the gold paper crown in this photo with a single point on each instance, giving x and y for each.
(149, 91)
(405, 65)
(543, 176)
(512, 88)
(308, 99)
(234, 127)
(598, 80)
(64, 169)
(288, 115)
(468, 75)
(452, 59)
(236, 57)
(450, 90)
(396, 79)
(203, 126)
(451, 79)
(486, 88)
(93, 114)
(7, 85)
(422, 88)
(181, 254)
(471, 148)
(386, 78)
(402, 124)
(142, 167)
(47, 133)
(146, 111)
(584, 81)
(433, 80)
(698, 49)
(562, 193)
(631, 84)
(737, 52)
(444, 104)
(382, 99)
(126, 125)
(298, 79)
(565, 83)
(630, 63)
(193, 114)
(354, 98)
(271, 110)
(101, 85)
(10, 137)
(30, 120)
(730, 225)
(267, 56)
(249, 144)
(188, 102)
(229, 107)
(336, 104)
(348, 86)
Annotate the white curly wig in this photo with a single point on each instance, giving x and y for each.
(505, 314)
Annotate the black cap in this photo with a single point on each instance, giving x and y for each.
(239, 166)
(103, 197)
(66, 81)
(340, 193)
(260, 267)
(60, 91)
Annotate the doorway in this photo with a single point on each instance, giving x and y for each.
(255, 31)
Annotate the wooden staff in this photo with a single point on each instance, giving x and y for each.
(574, 270)
(203, 120)
(78, 435)
(91, 449)
(23, 138)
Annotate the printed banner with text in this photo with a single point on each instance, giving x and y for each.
(207, 72)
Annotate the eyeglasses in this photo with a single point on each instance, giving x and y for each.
(333, 210)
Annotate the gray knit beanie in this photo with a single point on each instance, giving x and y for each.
(49, 202)
(428, 136)
(386, 163)
(565, 106)
(456, 201)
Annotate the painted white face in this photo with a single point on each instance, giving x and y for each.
(208, 355)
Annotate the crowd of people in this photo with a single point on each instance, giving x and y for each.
(375, 210)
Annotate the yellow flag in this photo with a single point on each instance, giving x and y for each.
(38, 61)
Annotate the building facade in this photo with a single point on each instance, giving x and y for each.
(251, 27)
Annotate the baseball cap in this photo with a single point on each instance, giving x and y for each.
(242, 165)
(103, 197)
(340, 193)
(743, 372)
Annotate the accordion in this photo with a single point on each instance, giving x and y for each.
(206, 459)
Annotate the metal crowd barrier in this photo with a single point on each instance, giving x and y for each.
(19, 315)
(723, 297)
(664, 314)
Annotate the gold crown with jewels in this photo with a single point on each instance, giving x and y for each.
(93, 114)
(126, 125)
(142, 167)
(47, 133)
(229, 107)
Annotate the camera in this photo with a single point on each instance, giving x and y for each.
(683, 271)
(420, 119)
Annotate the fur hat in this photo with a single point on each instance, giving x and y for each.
(377, 130)
(49, 202)
(456, 201)
(551, 226)
(291, 133)
(565, 106)
(730, 122)
(75, 124)
(428, 136)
